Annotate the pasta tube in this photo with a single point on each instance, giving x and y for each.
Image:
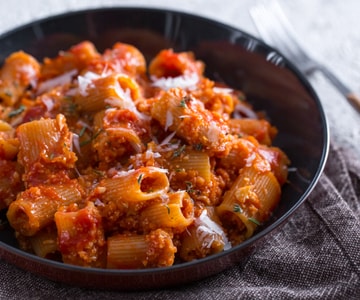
(203, 238)
(97, 93)
(44, 243)
(250, 200)
(192, 160)
(142, 184)
(35, 207)
(47, 141)
(81, 236)
(19, 71)
(131, 251)
(177, 213)
(179, 112)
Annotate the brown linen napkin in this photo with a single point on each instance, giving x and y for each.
(315, 255)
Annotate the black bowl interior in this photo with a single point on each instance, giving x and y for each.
(269, 80)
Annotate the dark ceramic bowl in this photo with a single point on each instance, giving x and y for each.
(269, 80)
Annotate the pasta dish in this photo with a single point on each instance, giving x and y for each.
(110, 161)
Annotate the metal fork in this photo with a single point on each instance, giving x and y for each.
(276, 30)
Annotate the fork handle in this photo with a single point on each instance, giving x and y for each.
(353, 99)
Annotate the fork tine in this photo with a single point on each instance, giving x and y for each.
(287, 27)
(274, 27)
(276, 30)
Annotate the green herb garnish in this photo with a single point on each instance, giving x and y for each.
(82, 131)
(17, 111)
(237, 208)
(92, 138)
(178, 152)
(198, 147)
(168, 209)
(189, 187)
(254, 221)
(242, 97)
(140, 178)
(99, 173)
(184, 101)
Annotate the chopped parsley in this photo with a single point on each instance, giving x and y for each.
(198, 147)
(189, 187)
(99, 173)
(179, 151)
(82, 131)
(184, 101)
(237, 208)
(92, 138)
(254, 221)
(17, 111)
(242, 97)
(69, 107)
(140, 178)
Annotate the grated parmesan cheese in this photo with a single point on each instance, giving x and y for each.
(249, 160)
(167, 139)
(169, 120)
(188, 82)
(76, 142)
(48, 102)
(219, 90)
(98, 202)
(213, 132)
(208, 231)
(56, 81)
(86, 81)
(125, 101)
(30, 72)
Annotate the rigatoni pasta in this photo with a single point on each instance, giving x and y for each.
(106, 162)
(134, 251)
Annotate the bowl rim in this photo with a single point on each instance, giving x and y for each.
(259, 234)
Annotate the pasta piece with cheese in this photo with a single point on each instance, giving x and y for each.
(81, 236)
(179, 112)
(34, 208)
(72, 60)
(242, 152)
(249, 201)
(115, 90)
(119, 133)
(176, 213)
(45, 141)
(215, 98)
(192, 160)
(132, 251)
(203, 238)
(125, 58)
(143, 184)
(167, 63)
(19, 71)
